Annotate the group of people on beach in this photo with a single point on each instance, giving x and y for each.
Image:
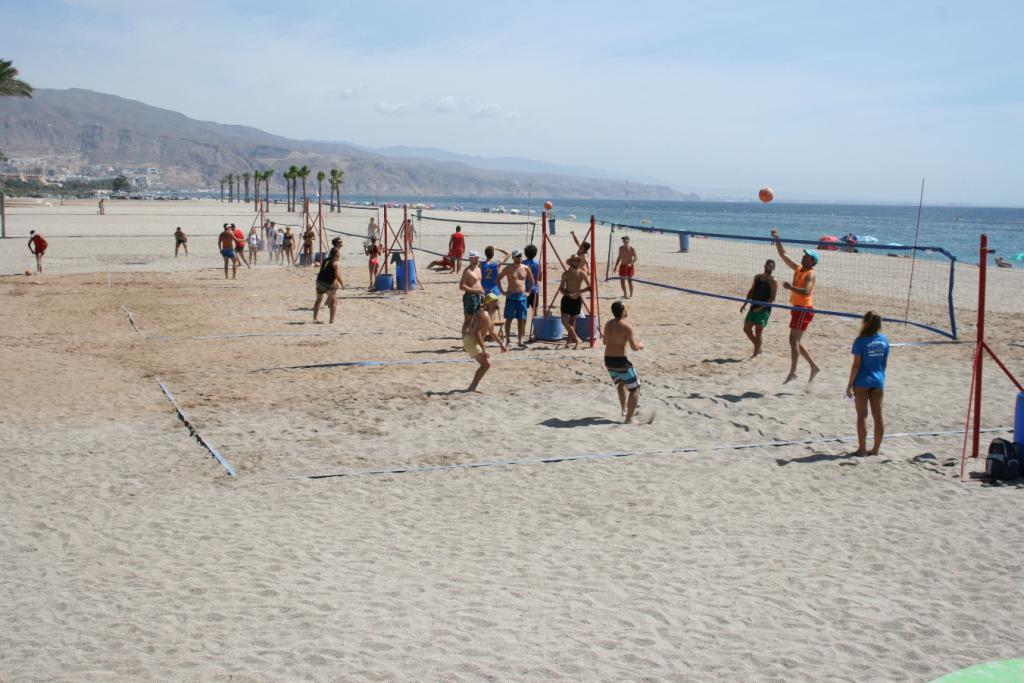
(279, 240)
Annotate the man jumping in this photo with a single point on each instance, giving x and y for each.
(802, 296)
(481, 326)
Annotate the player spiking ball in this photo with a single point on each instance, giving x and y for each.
(802, 297)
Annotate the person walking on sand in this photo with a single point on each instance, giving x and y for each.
(617, 334)
(328, 280)
(520, 281)
(802, 296)
(240, 245)
(472, 290)
(180, 240)
(226, 242)
(867, 380)
(625, 266)
(481, 327)
(573, 286)
(279, 245)
(37, 245)
(102, 210)
(373, 251)
(763, 289)
(456, 248)
(372, 230)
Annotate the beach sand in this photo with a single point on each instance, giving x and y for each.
(128, 553)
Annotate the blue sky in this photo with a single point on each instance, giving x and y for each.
(819, 100)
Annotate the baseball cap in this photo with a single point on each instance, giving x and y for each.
(516, 253)
(473, 253)
(491, 296)
(813, 254)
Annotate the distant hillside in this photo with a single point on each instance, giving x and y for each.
(73, 128)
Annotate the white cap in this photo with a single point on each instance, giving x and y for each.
(473, 253)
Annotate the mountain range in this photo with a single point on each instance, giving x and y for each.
(71, 129)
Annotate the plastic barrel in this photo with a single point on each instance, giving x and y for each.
(684, 242)
(551, 226)
(548, 328)
(384, 281)
(400, 274)
(319, 257)
(1018, 421)
(583, 327)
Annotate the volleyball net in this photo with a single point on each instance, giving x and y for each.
(431, 234)
(911, 285)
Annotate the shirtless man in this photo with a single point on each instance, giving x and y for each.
(802, 296)
(763, 289)
(582, 251)
(625, 266)
(520, 281)
(617, 334)
(472, 290)
(226, 242)
(37, 244)
(573, 286)
(180, 240)
(481, 327)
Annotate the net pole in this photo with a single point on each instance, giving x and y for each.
(593, 281)
(544, 262)
(405, 245)
(913, 259)
(978, 364)
(608, 261)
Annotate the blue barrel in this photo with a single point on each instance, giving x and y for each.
(684, 242)
(319, 257)
(1018, 422)
(551, 226)
(548, 328)
(400, 274)
(384, 282)
(583, 327)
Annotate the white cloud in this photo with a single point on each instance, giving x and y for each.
(442, 104)
(494, 111)
(396, 108)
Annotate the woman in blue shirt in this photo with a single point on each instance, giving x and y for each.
(867, 380)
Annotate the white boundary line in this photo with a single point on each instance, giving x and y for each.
(183, 416)
(132, 320)
(624, 454)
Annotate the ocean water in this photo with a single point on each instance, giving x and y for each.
(956, 229)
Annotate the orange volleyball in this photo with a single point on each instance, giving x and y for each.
(766, 194)
(548, 205)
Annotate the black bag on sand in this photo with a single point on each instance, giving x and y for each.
(1003, 461)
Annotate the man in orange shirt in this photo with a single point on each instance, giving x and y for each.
(37, 245)
(801, 296)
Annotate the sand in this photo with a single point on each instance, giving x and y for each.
(128, 553)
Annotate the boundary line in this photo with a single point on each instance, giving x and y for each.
(183, 416)
(374, 363)
(241, 335)
(132, 320)
(624, 454)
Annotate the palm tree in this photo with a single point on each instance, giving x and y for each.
(257, 176)
(336, 175)
(231, 187)
(223, 180)
(293, 173)
(10, 86)
(247, 177)
(238, 187)
(304, 173)
(266, 182)
(320, 177)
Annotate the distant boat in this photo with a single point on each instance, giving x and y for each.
(571, 217)
(645, 222)
(514, 212)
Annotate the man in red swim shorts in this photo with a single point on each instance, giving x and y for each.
(802, 297)
(456, 248)
(625, 266)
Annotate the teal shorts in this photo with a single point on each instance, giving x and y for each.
(759, 315)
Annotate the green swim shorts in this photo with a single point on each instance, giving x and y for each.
(759, 315)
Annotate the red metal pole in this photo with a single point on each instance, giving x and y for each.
(405, 244)
(593, 281)
(544, 262)
(383, 232)
(979, 361)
